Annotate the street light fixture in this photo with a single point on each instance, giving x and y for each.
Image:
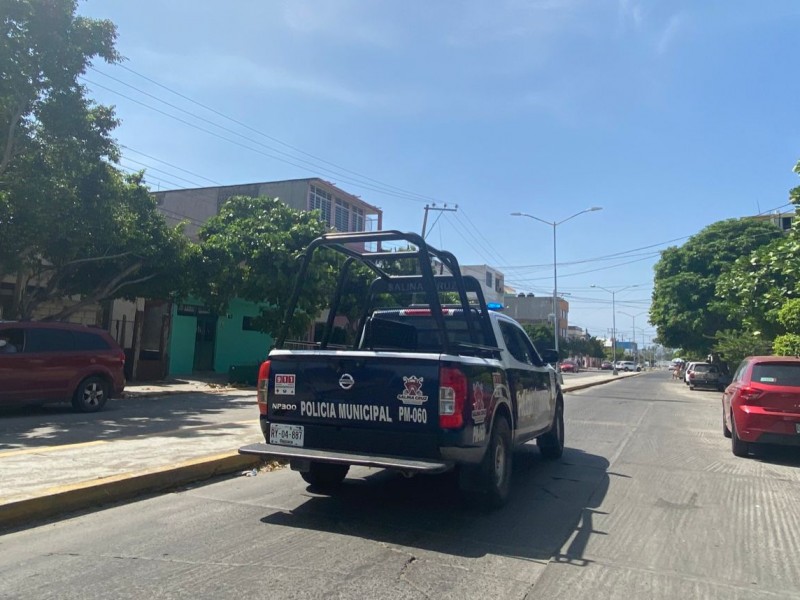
(555, 224)
(614, 321)
(633, 325)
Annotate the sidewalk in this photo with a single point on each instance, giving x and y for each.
(43, 481)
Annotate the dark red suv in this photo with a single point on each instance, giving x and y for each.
(59, 362)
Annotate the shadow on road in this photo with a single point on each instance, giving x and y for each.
(190, 414)
(551, 503)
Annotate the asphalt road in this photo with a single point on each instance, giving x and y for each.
(647, 502)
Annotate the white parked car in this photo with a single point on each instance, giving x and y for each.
(628, 365)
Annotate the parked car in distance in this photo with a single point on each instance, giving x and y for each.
(43, 362)
(569, 366)
(688, 367)
(628, 365)
(762, 403)
(704, 375)
(606, 365)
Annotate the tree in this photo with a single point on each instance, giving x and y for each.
(540, 334)
(788, 344)
(70, 222)
(686, 309)
(249, 250)
(758, 286)
(45, 46)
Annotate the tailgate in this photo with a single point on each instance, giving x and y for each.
(357, 390)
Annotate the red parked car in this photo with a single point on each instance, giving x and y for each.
(762, 403)
(569, 366)
(59, 362)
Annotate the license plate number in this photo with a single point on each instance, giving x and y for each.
(286, 435)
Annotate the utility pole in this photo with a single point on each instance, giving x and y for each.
(433, 206)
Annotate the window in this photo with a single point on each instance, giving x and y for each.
(515, 340)
(14, 340)
(49, 340)
(319, 199)
(488, 279)
(498, 284)
(342, 215)
(85, 340)
(248, 324)
(777, 373)
(358, 219)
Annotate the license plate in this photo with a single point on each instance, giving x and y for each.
(286, 435)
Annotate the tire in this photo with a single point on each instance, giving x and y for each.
(691, 387)
(91, 395)
(325, 476)
(496, 467)
(738, 447)
(725, 431)
(551, 444)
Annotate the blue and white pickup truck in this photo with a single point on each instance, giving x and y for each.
(424, 388)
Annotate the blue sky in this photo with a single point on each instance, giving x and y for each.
(671, 115)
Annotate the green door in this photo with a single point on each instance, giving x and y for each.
(205, 339)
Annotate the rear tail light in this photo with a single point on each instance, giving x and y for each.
(750, 395)
(263, 387)
(452, 397)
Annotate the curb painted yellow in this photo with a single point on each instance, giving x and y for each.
(63, 499)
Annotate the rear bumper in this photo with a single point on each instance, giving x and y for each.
(299, 455)
(708, 383)
(756, 424)
(442, 447)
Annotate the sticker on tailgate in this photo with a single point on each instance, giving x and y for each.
(412, 394)
(284, 385)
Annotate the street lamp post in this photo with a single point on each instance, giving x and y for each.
(614, 321)
(633, 326)
(555, 224)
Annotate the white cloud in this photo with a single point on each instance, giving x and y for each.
(668, 34)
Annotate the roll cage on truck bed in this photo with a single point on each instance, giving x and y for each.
(426, 283)
(332, 406)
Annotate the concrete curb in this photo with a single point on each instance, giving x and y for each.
(64, 499)
(583, 386)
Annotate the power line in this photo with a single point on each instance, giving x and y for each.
(169, 164)
(384, 189)
(269, 137)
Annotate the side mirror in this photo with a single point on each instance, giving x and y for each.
(550, 356)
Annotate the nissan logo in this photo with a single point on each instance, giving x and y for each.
(346, 381)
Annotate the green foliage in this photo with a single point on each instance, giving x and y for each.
(540, 334)
(70, 223)
(580, 346)
(734, 345)
(250, 249)
(686, 308)
(789, 315)
(787, 344)
(757, 286)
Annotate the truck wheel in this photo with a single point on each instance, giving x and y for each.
(738, 447)
(496, 468)
(325, 476)
(551, 444)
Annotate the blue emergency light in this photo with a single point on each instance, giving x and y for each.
(494, 306)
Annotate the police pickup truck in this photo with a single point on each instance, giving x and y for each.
(424, 387)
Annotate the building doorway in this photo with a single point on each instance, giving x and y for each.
(204, 342)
